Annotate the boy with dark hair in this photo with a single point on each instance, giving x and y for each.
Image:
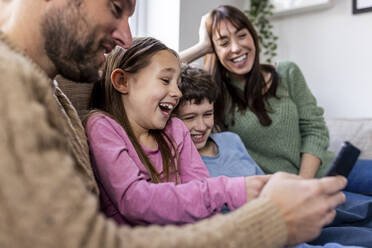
(223, 153)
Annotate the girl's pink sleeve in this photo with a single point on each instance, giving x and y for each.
(192, 166)
(140, 201)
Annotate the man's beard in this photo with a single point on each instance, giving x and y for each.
(71, 44)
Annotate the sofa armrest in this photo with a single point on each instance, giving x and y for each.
(356, 130)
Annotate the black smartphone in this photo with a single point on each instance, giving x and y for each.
(344, 161)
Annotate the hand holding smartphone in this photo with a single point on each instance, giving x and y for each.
(344, 161)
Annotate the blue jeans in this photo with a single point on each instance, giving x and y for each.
(352, 224)
(328, 245)
(360, 177)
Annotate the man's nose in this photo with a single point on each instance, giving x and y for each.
(122, 34)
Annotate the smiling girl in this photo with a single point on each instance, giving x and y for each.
(146, 165)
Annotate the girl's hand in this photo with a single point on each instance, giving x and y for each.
(254, 185)
(204, 39)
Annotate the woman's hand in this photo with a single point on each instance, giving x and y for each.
(309, 165)
(254, 185)
(201, 48)
(204, 39)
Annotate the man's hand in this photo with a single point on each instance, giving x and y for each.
(306, 204)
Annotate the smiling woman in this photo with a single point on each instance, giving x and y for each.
(269, 106)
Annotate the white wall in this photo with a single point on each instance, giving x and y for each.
(159, 19)
(333, 48)
(174, 22)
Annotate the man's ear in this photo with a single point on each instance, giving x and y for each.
(119, 81)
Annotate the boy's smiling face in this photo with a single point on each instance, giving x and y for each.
(199, 119)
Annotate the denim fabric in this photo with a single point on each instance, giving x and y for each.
(360, 177)
(328, 245)
(352, 224)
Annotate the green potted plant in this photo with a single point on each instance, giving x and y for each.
(259, 14)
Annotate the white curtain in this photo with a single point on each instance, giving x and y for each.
(138, 21)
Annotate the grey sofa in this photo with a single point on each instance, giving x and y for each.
(356, 130)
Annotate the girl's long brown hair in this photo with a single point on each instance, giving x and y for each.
(105, 98)
(230, 95)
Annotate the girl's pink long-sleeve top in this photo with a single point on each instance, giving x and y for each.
(128, 196)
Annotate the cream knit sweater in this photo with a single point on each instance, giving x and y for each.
(47, 191)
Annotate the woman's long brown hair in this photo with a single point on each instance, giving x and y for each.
(230, 95)
(106, 99)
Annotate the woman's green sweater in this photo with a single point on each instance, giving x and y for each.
(297, 126)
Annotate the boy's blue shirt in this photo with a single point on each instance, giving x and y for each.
(232, 159)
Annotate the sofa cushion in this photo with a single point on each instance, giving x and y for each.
(358, 131)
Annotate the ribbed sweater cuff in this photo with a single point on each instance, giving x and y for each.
(255, 225)
(314, 149)
(262, 220)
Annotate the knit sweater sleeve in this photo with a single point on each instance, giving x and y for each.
(313, 129)
(141, 201)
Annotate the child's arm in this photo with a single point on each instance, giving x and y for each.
(140, 201)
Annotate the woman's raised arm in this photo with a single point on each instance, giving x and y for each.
(201, 48)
